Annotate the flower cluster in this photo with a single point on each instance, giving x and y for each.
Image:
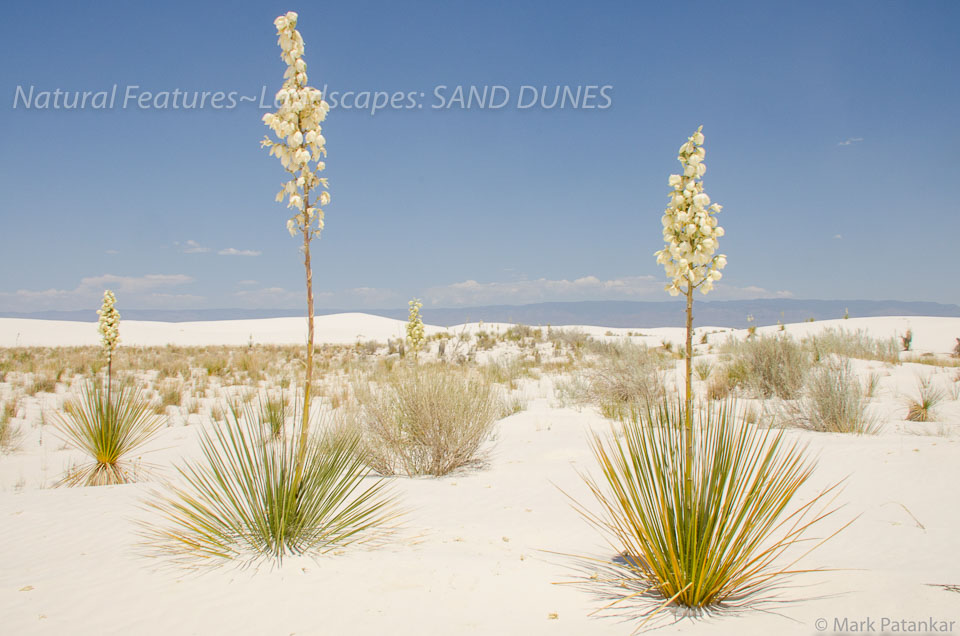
(415, 332)
(690, 228)
(109, 326)
(297, 126)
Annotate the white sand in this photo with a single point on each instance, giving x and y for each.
(475, 556)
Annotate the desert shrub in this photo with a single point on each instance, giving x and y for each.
(245, 500)
(710, 535)
(956, 349)
(628, 377)
(703, 369)
(720, 386)
(772, 366)
(425, 421)
(834, 402)
(109, 426)
(923, 409)
(852, 344)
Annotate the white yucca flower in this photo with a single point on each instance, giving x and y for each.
(416, 334)
(109, 324)
(690, 229)
(300, 143)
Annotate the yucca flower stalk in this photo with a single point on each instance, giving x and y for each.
(690, 231)
(109, 328)
(301, 149)
(416, 335)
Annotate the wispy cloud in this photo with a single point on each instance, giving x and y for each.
(471, 292)
(837, 236)
(192, 247)
(138, 291)
(850, 141)
(232, 251)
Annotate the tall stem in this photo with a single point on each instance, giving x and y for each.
(305, 425)
(688, 404)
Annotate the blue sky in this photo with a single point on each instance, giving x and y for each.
(830, 136)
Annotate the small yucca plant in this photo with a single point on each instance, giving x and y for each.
(109, 426)
(715, 536)
(924, 408)
(245, 500)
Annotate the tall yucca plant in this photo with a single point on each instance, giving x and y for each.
(697, 504)
(262, 490)
(246, 500)
(717, 537)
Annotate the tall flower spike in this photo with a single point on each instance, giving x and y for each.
(690, 229)
(299, 143)
(109, 323)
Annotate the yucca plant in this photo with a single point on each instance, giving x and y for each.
(109, 426)
(924, 408)
(697, 503)
(245, 499)
(715, 537)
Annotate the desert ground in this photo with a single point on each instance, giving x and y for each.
(495, 547)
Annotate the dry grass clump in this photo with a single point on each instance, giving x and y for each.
(627, 377)
(852, 344)
(109, 426)
(835, 402)
(770, 366)
(425, 420)
(703, 369)
(924, 408)
(10, 434)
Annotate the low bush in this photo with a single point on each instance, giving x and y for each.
(427, 420)
(834, 402)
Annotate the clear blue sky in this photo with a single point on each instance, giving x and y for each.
(831, 140)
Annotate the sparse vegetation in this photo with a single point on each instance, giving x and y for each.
(856, 344)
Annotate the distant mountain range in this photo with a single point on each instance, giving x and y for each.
(727, 313)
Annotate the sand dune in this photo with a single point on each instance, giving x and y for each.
(480, 550)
